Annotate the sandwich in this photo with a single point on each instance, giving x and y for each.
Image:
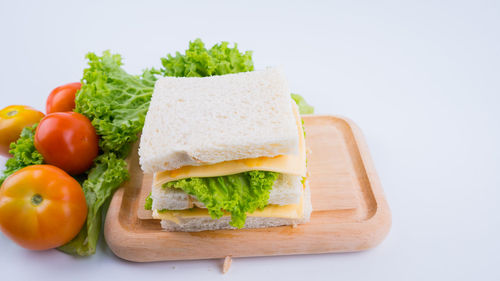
(225, 152)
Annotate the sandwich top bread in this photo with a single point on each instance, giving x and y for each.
(227, 152)
(199, 121)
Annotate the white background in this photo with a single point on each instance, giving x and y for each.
(421, 79)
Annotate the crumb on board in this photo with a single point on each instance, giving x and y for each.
(227, 264)
(294, 225)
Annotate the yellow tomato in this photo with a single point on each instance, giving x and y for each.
(13, 119)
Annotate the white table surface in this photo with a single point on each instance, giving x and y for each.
(421, 79)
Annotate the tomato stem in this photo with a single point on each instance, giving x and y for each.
(36, 199)
(12, 113)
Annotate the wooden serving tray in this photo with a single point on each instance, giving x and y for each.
(350, 212)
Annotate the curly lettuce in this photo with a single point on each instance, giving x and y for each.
(304, 107)
(236, 194)
(149, 202)
(116, 102)
(23, 153)
(104, 178)
(198, 61)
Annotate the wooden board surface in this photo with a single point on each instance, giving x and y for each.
(350, 212)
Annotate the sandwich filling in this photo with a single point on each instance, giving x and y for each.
(290, 211)
(236, 194)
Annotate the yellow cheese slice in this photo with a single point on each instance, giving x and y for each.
(292, 211)
(293, 164)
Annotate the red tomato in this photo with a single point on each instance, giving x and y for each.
(62, 98)
(41, 207)
(67, 140)
(12, 121)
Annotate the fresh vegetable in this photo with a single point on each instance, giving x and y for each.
(67, 140)
(200, 62)
(62, 98)
(104, 178)
(23, 153)
(236, 194)
(115, 101)
(12, 121)
(41, 207)
(304, 107)
(149, 202)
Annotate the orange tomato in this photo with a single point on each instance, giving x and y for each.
(12, 121)
(62, 98)
(67, 140)
(41, 207)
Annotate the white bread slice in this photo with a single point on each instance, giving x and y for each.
(196, 224)
(199, 121)
(287, 189)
